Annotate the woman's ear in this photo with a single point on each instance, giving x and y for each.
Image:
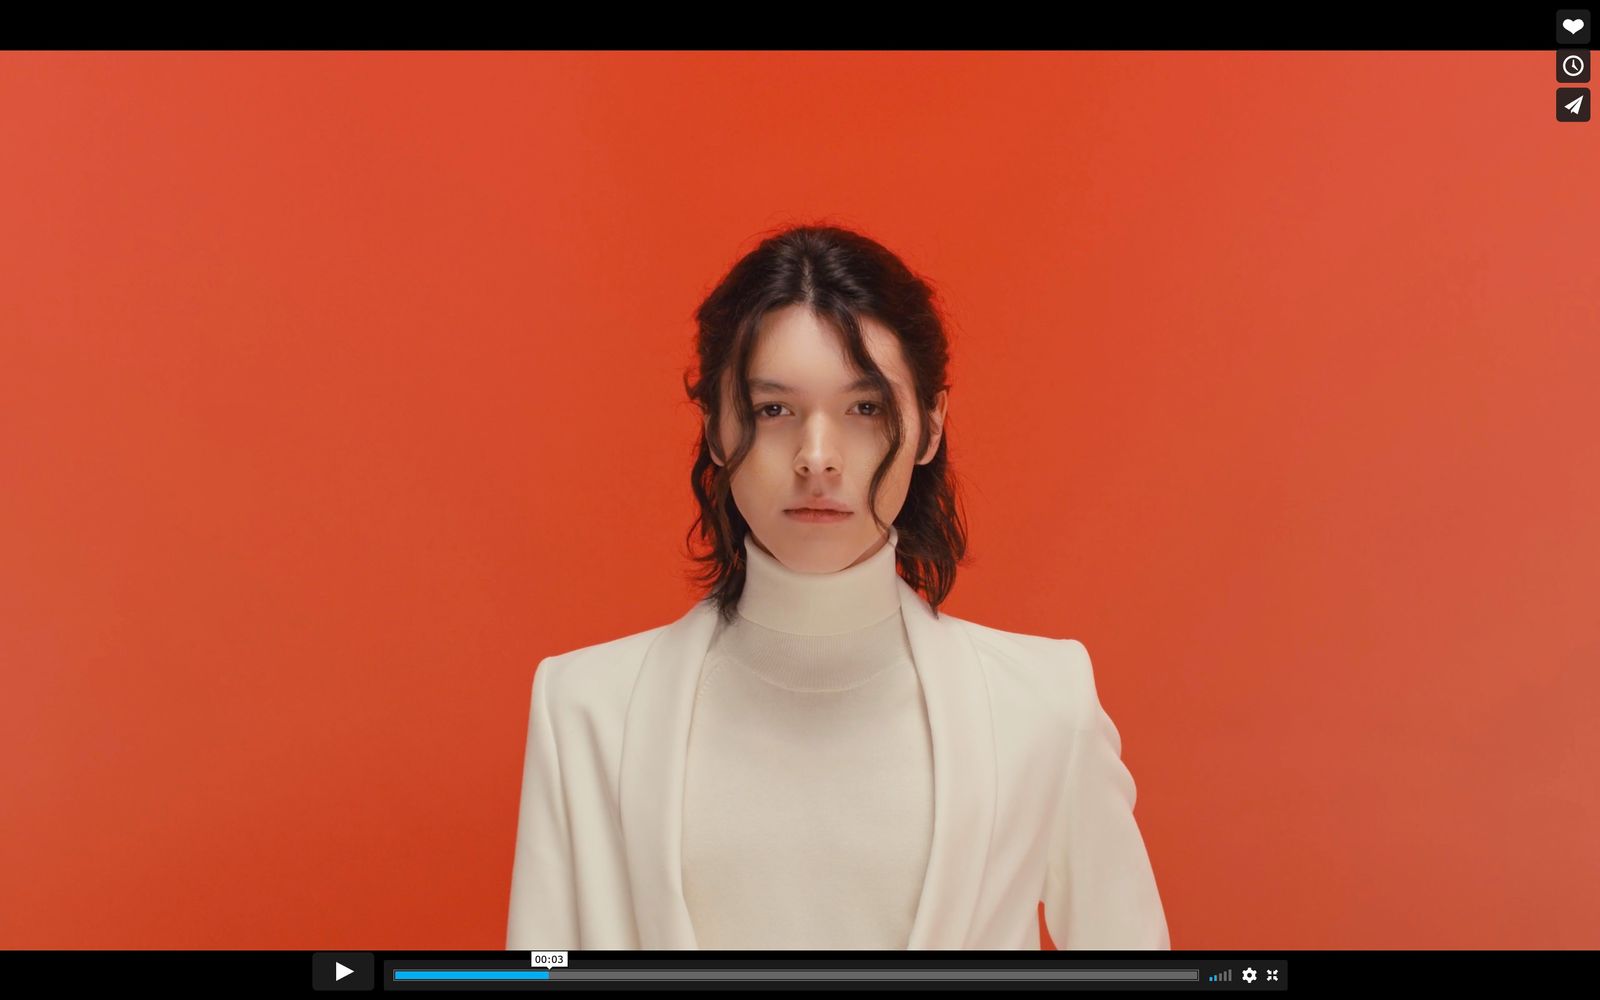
(936, 419)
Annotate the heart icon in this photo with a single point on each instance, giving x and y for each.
(1573, 25)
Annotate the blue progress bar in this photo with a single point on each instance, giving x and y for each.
(436, 974)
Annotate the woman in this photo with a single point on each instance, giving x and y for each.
(813, 756)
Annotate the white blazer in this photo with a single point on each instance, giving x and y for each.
(1031, 799)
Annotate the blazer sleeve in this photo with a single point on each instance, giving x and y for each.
(1100, 891)
(544, 913)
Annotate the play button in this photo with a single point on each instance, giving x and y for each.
(342, 970)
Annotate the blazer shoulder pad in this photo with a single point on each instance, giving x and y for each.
(1069, 674)
(601, 669)
(628, 645)
(1021, 644)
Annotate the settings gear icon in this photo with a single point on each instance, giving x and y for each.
(1249, 975)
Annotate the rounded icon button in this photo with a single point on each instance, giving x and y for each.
(342, 970)
(1572, 27)
(1572, 104)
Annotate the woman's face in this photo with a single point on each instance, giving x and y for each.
(817, 438)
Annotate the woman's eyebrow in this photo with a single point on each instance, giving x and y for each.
(767, 384)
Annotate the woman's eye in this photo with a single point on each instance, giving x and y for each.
(761, 411)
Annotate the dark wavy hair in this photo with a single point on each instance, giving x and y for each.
(840, 276)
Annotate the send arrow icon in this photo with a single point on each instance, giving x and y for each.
(1572, 104)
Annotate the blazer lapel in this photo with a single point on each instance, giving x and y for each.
(655, 751)
(655, 748)
(962, 728)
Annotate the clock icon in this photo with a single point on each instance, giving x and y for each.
(1572, 65)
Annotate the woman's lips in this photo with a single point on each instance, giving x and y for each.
(818, 516)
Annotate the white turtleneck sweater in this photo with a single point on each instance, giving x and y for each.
(808, 803)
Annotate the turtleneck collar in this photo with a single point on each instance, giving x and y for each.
(781, 599)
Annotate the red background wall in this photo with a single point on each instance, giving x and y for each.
(337, 389)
